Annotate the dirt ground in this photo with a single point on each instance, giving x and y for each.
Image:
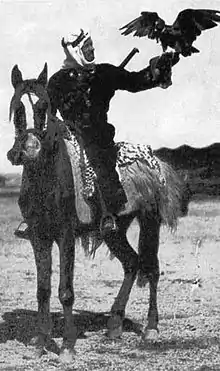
(189, 321)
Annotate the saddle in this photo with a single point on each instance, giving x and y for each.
(84, 176)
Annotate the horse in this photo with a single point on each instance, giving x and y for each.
(55, 210)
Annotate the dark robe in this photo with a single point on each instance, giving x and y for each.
(82, 97)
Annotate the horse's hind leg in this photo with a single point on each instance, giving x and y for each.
(149, 268)
(119, 246)
(42, 251)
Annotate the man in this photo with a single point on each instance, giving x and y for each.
(81, 91)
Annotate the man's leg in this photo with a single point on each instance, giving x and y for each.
(112, 192)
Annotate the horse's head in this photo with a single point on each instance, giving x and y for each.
(28, 141)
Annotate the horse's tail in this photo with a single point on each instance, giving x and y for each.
(146, 191)
(170, 198)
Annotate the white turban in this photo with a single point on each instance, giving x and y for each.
(72, 44)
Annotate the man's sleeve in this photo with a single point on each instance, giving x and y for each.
(158, 73)
(134, 81)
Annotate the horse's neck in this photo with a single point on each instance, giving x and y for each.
(63, 168)
(40, 174)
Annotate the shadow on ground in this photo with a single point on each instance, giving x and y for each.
(21, 324)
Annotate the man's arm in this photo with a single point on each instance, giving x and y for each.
(157, 74)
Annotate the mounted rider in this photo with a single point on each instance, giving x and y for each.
(82, 90)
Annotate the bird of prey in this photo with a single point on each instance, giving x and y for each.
(179, 36)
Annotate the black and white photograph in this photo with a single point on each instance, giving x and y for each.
(110, 185)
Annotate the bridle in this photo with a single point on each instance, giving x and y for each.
(29, 87)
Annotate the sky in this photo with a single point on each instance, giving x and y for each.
(188, 112)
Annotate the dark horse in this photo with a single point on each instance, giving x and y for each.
(48, 202)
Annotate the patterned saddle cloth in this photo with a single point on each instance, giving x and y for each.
(127, 153)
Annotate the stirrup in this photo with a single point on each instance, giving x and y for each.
(111, 227)
(22, 233)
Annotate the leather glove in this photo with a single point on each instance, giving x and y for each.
(161, 68)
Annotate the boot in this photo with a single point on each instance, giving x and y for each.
(21, 232)
(108, 224)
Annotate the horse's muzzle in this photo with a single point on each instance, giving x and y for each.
(14, 155)
(25, 148)
(32, 147)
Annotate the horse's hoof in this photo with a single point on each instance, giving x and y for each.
(39, 352)
(35, 353)
(67, 355)
(142, 280)
(37, 344)
(150, 335)
(33, 341)
(114, 327)
(115, 333)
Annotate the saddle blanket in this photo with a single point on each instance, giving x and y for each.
(127, 153)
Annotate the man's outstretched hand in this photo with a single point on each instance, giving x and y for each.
(161, 68)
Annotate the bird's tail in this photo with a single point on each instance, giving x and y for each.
(189, 51)
(194, 50)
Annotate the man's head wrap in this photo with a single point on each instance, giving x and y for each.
(72, 44)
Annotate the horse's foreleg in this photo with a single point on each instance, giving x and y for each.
(42, 251)
(66, 243)
(149, 269)
(119, 246)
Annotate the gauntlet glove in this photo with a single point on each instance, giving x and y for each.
(161, 68)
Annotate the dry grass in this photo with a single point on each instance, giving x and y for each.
(189, 315)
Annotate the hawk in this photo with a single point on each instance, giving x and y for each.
(179, 36)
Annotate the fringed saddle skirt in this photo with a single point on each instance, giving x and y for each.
(84, 175)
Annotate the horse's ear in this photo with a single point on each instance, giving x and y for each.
(42, 78)
(16, 76)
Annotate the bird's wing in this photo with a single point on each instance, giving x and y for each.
(191, 22)
(143, 25)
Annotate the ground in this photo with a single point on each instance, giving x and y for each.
(189, 319)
